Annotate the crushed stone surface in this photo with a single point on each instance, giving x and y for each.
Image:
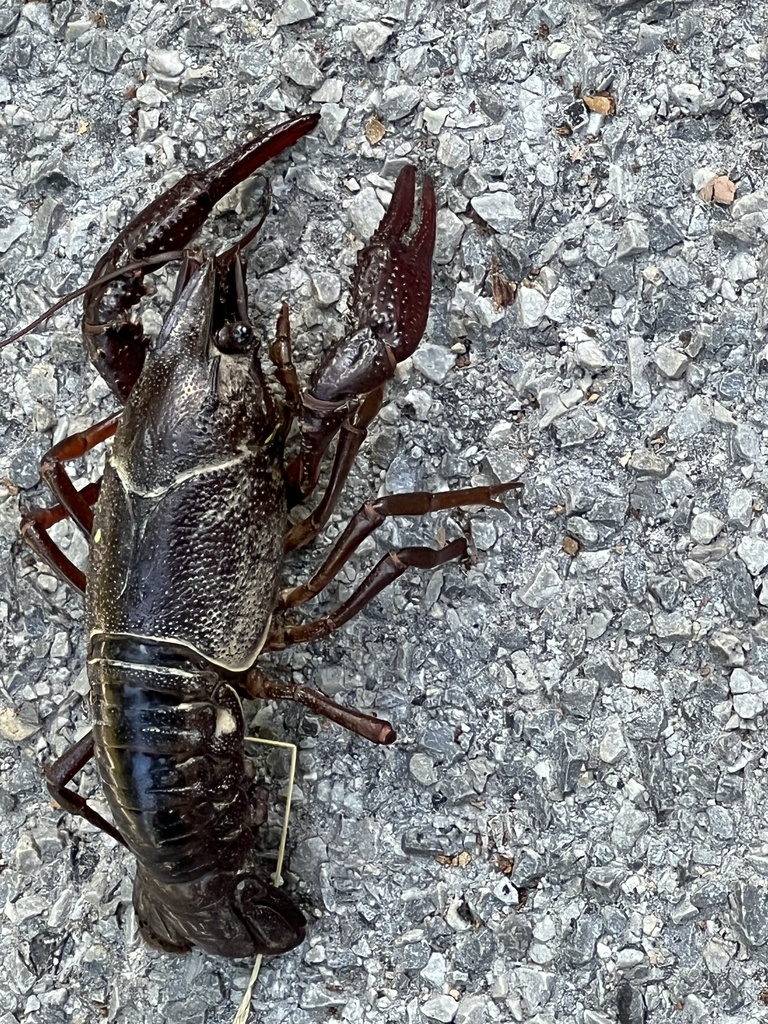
(572, 825)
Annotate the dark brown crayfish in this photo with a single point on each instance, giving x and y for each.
(188, 530)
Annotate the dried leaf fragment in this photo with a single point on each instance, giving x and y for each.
(456, 860)
(570, 546)
(601, 103)
(504, 864)
(374, 130)
(503, 291)
(720, 190)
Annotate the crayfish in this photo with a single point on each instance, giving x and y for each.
(188, 530)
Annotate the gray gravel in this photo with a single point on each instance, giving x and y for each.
(571, 826)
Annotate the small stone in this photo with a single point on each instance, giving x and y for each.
(17, 727)
(331, 91)
(747, 443)
(684, 911)
(577, 427)
(326, 287)
(648, 463)
(591, 356)
(148, 124)
(559, 304)
(149, 96)
(749, 902)
(729, 646)
(741, 268)
(535, 988)
(499, 210)
(440, 739)
(672, 626)
(414, 956)
(422, 768)
(720, 822)
(672, 363)
(13, 231)
(453, 151)
(753, 551)
(26, 855)
(629, 824)
(165, 62)
(370, 37)
(738, 588)
(633, 238)
(597, 624)
(694, 418)
(434, 971)
(531, 307)
(26, 908)
(476, 1009)
(628, 958)
(8, 21)
(742, 681)
(106, 51)
(688, 96)
(558, 51)
(613, 745)
(545, 586)
(293, 11)
(76, 28)
(753, 203)
(365, 213)
(297, 65)
(586, 533)
(434, 362)
(398, 101)
(636, 359)
(630, 1003)
(496, 43)
(705, 527)
(314, 997)
(332, 118)
(435, 119)
(450, 230)
(636, 621)
(740, 508)
(748, 705)
(440, 1008)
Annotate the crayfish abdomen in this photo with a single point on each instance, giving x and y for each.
(168, 736)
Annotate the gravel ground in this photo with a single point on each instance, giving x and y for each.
(571, 826)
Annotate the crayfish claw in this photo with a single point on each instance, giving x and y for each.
(392, 284)
(391, 292)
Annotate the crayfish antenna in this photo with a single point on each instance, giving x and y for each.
(95, 282)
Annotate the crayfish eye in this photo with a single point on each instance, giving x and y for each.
(234, 338)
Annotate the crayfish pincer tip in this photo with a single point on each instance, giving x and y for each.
(399, 215)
